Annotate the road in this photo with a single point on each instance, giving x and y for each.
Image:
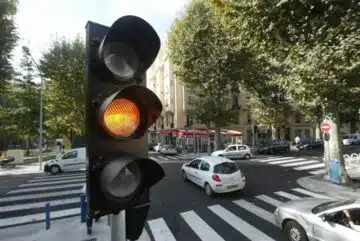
(180, 210)
(320, 152)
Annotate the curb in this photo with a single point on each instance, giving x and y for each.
(327, 188)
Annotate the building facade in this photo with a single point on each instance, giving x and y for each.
(176, 127)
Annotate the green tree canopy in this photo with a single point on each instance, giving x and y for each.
(62, 67)
(8, 38)
(203, 58)
(316, 43)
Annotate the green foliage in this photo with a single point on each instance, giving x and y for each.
(203, 58)
(8, 38)
(62, 67)
(20, 110)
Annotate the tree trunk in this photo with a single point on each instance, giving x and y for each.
(353, 127)
(335, 146)
(317, 131)
(273, 133)
(27, 141)
(217, 137)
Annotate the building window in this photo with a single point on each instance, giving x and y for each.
(298, 132)
(249, 117)
(235, 101)
(297, 117)
(307, 133)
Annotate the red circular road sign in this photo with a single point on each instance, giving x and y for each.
(325, 127)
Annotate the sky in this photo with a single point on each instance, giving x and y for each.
(39, 21)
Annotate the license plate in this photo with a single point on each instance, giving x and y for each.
(232, 186)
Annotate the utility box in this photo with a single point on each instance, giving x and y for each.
(335, 171)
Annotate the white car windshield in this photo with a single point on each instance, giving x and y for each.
(332, 204)
(225, 168)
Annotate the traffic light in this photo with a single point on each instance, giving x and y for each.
(119, 110)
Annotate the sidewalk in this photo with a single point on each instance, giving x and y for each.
(319, 185)
(21, 169)
(63, 229)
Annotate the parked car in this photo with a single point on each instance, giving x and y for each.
(168, 150)
(71, 160)
(234, 151)
(351, 139)
(274, 148)
(311, 144)
(319, 219)
(215, 174)
(158, 147)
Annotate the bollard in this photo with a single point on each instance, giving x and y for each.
(83, 208)
(47, 216)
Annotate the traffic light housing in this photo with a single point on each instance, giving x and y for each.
(119, 110)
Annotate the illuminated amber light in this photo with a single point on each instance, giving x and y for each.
(122, 117)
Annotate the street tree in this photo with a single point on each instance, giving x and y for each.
(20, 116)
(317, 44)
(8, 38)
(62, 66)
(202, 58)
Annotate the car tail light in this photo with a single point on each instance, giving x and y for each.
(216, 178)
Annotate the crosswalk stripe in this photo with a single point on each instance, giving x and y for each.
(47, 188)
(314, 166)
(287, 195)
(298, 163)
(261, 213)
(155, 159)
(74, 178)
(171, 157)
(239, 224)
(38, 217)
(318, 172)
(163, 158)
(200, 227)
(160, 230)
(269, 200)
(53, 183)
(61, 177)
(41, 195)
(39, 205)
(274, 159)
(144, 236)
(287, 161)
(306, 192)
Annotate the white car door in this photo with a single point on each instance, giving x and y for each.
(325, 230)
(193, 171)
(230, 151)
(204, 173)
(69, 161)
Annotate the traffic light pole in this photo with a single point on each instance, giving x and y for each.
(118, 227)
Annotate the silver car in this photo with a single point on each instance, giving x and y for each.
(317, 219)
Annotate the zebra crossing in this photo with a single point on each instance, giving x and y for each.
(168, 158)
(244, 216)
(312, 165)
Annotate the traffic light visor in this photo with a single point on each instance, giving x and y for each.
(121, 117)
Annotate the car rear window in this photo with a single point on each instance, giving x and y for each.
(225, 168)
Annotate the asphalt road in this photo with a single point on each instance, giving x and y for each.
(180, 210)
(320, 152)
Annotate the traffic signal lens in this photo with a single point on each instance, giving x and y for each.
(121, 117)
(121, 59)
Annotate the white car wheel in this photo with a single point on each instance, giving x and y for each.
(295, 232)
(55, 169)
(208, 190)
(247, 156)
(184, 176)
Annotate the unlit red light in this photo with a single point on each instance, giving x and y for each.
(122, 117)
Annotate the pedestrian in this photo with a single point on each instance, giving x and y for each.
(58, 148)
(297, 141)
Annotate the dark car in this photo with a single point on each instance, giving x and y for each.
(310, 144)
(274, 148)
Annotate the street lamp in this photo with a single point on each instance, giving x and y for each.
(27, 52)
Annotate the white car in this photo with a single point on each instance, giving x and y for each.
(215, 174)
(71, 160)
(317, 219)
(235, 151)
(168, 150)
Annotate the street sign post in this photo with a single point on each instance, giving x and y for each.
(325, 127)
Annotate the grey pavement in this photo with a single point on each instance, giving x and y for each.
(320, 185)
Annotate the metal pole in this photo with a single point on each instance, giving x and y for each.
(41, 125)
(118, 227)
(252, 126)
(194, 142)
